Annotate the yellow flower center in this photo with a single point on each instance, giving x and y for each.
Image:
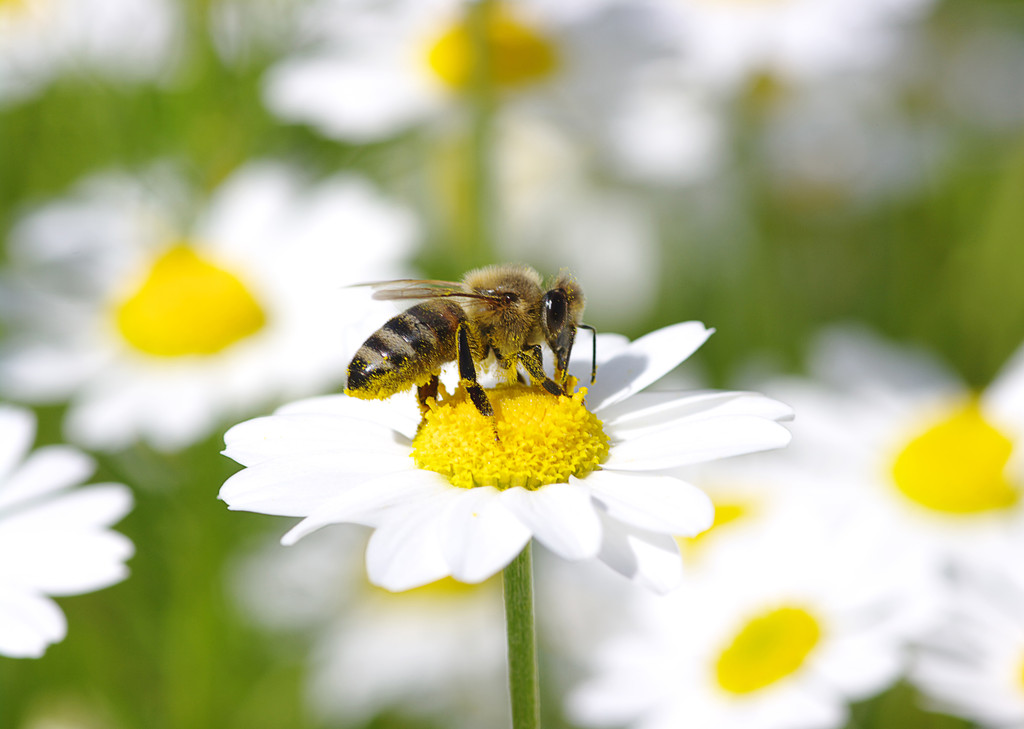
(518, 54)
(187, 306)
(958, 466)
(769, 648)
(543, 439)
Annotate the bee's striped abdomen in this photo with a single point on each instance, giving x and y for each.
(406, 350)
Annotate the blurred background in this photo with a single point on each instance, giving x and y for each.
(188, 186)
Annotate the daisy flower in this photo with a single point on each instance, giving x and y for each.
(973, 665)
(437, 651)
(896, 434)
(781, 633)
(60, 534)
(726, 43)
(158, 329)
(448, 499)
(376, 70)
(123, 39)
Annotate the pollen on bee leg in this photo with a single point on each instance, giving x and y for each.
(541, 439)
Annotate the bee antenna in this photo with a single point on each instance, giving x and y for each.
(593, 356)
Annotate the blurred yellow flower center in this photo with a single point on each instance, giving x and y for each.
(958, 466)
(543, 439)
(725, 512)
(769, 648)
(519, 55)
(447, 588)
(188, 306)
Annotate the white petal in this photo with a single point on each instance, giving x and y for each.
(17, 432)
(263, 439)
(67, 563)
(644, 361)
(354, 101)
(695, 441)
(608, 345)
(92, 507)
(649, 559)
(46, 470)
(366, 502)
(653, 409)
(297, 486)
(398, 412)
(406, 551)
(28, 623)
(560, 515)
(1004, 398)
(654, 503)
(479, 535)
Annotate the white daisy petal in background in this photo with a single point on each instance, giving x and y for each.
(890, 430)
(850, 142)
(56, 539)
(438, 651)
(429, 525)
(725, 43)
(127, 40)
(158, 329)
(668, 130)
(551, 209)
(973, 664)
(378, 70)
(779, 632)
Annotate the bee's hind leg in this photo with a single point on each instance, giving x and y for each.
(533, 361)
(425, 392)
(467, 378)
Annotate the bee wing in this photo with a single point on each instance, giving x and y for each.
(411, 288)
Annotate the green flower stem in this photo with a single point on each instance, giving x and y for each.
(482, 105)
(523, 684)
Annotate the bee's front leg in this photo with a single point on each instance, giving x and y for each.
(533, 361)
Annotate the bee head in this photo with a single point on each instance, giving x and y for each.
(561, 313)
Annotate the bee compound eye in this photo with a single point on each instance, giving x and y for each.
(555, 308)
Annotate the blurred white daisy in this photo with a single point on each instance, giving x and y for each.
(376, 70)
(437, 651)
(973, 665)
(551, 209)
(160, 329)
(892, 431)
(849, 143)
(583, 487)
(755, 498)
(727, 43)
(122, 39)
(56, 538)
(780, 634)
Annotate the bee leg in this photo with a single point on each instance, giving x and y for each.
(508, 367)
(467, 378)
(423, 392)
(533, 361)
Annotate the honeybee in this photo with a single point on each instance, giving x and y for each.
(497, 315)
